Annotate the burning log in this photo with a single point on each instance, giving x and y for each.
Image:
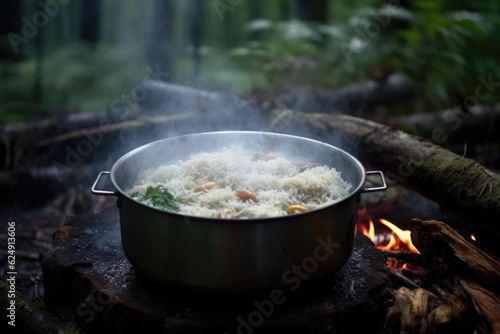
(457, 183)
(463, 265)
(452, 251)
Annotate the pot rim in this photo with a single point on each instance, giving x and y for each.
(355, 192)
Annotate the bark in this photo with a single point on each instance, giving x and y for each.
(463, 266)
(456, 253)
(455, 182)
(421, 311)
(486, 303)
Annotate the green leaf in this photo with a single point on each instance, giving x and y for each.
(158, 197)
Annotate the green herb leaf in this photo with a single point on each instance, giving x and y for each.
(158, 197)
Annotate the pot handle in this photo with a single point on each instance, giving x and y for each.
(372, 189)
(102, 192)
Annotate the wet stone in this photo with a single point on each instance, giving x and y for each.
(88, 280)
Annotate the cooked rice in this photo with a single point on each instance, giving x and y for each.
(277, 183)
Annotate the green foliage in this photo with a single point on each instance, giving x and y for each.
(436, 50)
(158, 197)
(288, 54)
(443, 50)
(73, 78)
(442, 45)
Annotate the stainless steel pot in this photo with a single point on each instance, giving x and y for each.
(222, 255)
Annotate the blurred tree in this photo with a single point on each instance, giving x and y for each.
(284, 10)
(196, 10)
(313, 10)
(160, 49)
(10, 23)
(90, 27)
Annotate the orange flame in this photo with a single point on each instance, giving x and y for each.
(368, 231)
(391, 245)
(473, 237)
(403, 235)
(397, 236)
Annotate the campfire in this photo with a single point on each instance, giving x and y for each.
(438, 273)
(394, 239)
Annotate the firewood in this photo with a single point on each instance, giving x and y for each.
(440, 243)
(459, 184)
(485, 302)
(421, 311)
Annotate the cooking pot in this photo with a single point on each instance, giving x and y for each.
(235, 255)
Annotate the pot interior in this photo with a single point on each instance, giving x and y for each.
(128, 168)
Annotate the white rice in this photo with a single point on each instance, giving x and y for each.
(277, 183)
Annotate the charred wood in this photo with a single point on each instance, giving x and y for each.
(486, 303)
(456, 254)
(422, 311)
(472, 273)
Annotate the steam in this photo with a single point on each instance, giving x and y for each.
(184, 110)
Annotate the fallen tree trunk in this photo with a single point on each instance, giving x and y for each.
(65, 121)
(394, 89)
(161, 97)
(480, 124)
(455, 182)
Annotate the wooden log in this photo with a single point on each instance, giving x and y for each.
(393, 89)
(486, 303)
(67, 121)
(458, 184)
(422, 311)
(455, 252)
(462, 265)
(169, 98)
(480, 124)
(88, 278)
